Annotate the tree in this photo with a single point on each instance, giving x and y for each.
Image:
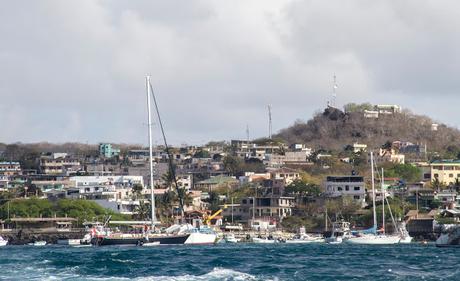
(302, 188)
(407, 172)
(142, 211)
(202, 154)
(233, 165)
(137, 190)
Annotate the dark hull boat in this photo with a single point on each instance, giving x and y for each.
(139, 241)
(169, 239)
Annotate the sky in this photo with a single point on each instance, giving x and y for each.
(74, 71)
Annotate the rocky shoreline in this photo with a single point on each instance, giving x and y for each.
(25, 236)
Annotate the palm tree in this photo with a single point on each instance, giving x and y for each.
(142, 211)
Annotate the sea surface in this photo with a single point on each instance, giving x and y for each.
(231, 262)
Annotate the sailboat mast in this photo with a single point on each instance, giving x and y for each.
(383, 203)
(373, 190)
(152, 195)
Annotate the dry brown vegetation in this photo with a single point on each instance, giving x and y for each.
(333, 129)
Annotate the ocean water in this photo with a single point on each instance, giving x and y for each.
(231, 262)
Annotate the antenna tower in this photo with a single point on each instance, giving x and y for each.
(334, 93)
(269, 121)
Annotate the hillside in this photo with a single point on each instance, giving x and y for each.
(332, 129)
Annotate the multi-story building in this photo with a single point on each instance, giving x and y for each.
(10, 168)
(446, 171)
(267, 207)
(114, 192)
(286, 174)
(346, 186)
(108, 151)
(59, 164)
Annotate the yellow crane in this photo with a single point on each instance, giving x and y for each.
(207, 219)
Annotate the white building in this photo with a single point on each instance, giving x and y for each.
(114, 192)
(346, 186)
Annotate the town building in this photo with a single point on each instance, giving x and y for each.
(266, 207)
(10, 168)
(446, 171)
(288, 175)
(217, 181)
(359, 147)
(108, 151)
(346, 186)
(59, 164)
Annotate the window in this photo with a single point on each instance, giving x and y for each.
(356, 197)
(451, 175)
(245, 201)
(357, 188)
(339, 188)
(347, 187)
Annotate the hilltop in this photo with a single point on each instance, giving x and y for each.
(332, 129)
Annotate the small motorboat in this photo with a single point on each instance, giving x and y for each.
(38, 243)
(266, 240)
(230, 238)
(3, 242)
(305, 238)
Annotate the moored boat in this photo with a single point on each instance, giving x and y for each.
(450, 236)
(3, 242)
(340, 232)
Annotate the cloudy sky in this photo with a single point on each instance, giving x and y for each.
(74, 70)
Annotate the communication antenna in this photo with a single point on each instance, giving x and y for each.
(247, 132)
(269, 121)
(334, 93)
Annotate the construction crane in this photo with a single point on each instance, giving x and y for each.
(207, 219)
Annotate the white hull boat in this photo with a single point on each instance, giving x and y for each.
(3, 242)
(68, 242)
(198, 238)
(230, 238)
(263, 240)
(306, 239)
(38, 243)
(450, 236)
(375, 239)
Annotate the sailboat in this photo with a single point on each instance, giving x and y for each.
(195, 235)
(376, 238)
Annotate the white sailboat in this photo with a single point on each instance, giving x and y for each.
(195, 235)
(376, 238)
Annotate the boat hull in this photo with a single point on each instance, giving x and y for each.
(374, 240)
(109, 241)
(169, 239)
(201, 239)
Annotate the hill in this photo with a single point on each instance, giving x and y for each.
(333, 129)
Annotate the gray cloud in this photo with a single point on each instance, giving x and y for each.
(74, 70)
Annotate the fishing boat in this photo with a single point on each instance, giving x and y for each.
(3, 242)
(376, 238)
(340, 232)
